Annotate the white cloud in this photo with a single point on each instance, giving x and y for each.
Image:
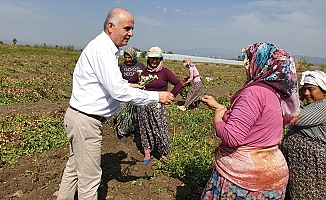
(176, 10)
(299, 19)
(165, 9)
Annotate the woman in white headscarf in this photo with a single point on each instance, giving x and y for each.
(304, 146)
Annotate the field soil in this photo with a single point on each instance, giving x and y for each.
(124, 175)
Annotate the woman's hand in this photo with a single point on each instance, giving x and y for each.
(214, 105)
(211, 102)
(134, 85)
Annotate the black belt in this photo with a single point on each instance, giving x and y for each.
(100, 118)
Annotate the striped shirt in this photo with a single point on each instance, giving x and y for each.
(312, 121)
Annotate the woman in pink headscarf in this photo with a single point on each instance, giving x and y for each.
(248, 163)
(194, 95)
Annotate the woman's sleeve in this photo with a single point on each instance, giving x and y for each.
(191, 76)
(312, 114)
(174, 81)
(245, 113)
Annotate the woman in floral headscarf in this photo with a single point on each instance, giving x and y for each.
(248, 162)
(130, 65)
(304, 146)
(127, 123)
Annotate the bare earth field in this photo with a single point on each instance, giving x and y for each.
(124, 175)
(27, 73)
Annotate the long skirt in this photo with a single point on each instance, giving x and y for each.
(194, 94)
(307, 166)
(219, 188)
(153, 128)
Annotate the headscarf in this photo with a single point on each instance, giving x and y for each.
(133, 54)
(266, 63)
(155, 52)
(156, 69)
(188, 62)
(315, 77)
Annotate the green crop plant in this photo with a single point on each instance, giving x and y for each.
(191, 153)
(33, 134)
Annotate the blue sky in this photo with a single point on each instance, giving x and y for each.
(297, 26)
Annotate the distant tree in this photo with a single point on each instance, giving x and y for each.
(302, 64)
(170, 52)
(143, 54)
(136, 49)
(14, 41)
(1, 42)
(322, 67)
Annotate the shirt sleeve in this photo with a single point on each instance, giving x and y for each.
(312, 114)
(109, 75)
(174, 81)
(245, 112)
(191, 75)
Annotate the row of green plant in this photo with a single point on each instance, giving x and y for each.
(32, 134)
(29, 74)
(47, 46)
(192, 146)
(192, 142)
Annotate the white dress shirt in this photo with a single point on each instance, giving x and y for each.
(98, 85)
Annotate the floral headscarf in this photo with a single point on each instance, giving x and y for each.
(133, 54)
(266, 63)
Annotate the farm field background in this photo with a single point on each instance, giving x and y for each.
(35, 90)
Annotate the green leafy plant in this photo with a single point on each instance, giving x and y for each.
(34, 134)
(191, 154)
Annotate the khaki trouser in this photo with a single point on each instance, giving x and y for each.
(83, 169)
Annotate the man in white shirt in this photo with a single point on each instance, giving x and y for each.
(98, 87)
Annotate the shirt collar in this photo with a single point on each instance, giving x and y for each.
(112, 45)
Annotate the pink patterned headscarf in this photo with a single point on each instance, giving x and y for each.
(266, 63)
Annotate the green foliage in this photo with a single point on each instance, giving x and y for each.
(302, 64)
(136, 49)
(184, 91)
(191, 153)
(34, 134)
(31, 74)
(14, 41)
(51, 46)
(143, 54)
(126, 117)
(323, 67)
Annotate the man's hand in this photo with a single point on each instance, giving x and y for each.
(184, 84)
(165, 97)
